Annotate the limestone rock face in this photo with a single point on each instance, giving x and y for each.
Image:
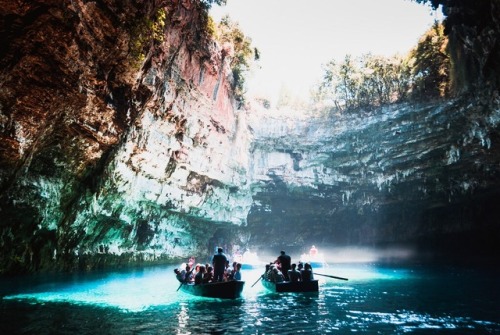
(473, 28)
(421, 174)
(120, 144)
(119, 141)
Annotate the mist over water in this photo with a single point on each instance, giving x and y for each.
(334, 255)
(375, 299)
(366, 255)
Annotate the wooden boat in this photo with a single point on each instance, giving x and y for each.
(223, 290)
(286, 286)
(316, 261)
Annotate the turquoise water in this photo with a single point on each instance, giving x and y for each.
(376, 300)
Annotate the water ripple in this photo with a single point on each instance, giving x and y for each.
(371, 304)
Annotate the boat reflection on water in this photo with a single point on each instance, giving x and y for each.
(223, 290)
(314, 257)
(377, 299)
(286, 286)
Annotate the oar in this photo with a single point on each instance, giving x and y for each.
(334, 277)
(257, 281)
(182, 283)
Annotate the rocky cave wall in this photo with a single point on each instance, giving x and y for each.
(117, 145)
(425, 175)
(420, 174)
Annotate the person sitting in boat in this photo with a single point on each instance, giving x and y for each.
(198, 279)
(228, 272)
(294, 274)
(276, 275)
(196, 268)
(188, 274)
(183, 271)
(284, 262)
(231, 271)
(179, 275)
(307, 273)
(237, 272)
(219, 263)
(209, 275)
(267, 272)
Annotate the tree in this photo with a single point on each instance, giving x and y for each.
(208, 3)
(239, 48)
(340, 82)
(370, 81)
(431, 65)
(402, 77)
(367, 81)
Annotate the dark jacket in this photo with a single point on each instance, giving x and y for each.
(307, 275)
(219, 262)
(294, 275)
(286, 263)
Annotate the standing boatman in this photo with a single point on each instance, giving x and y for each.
(219, 263)
(285, 262)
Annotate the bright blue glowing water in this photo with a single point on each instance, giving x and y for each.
(375, 300)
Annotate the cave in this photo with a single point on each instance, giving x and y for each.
(140, 149)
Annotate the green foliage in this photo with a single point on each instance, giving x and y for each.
(366, 81)
(242, 54)
(264, 102)
(370, 81)
(211, 27)
(433, 3)
(474, 52)
(256, 53)
(157, 25)
(431, 65)
(147, 31)
(208, 3)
